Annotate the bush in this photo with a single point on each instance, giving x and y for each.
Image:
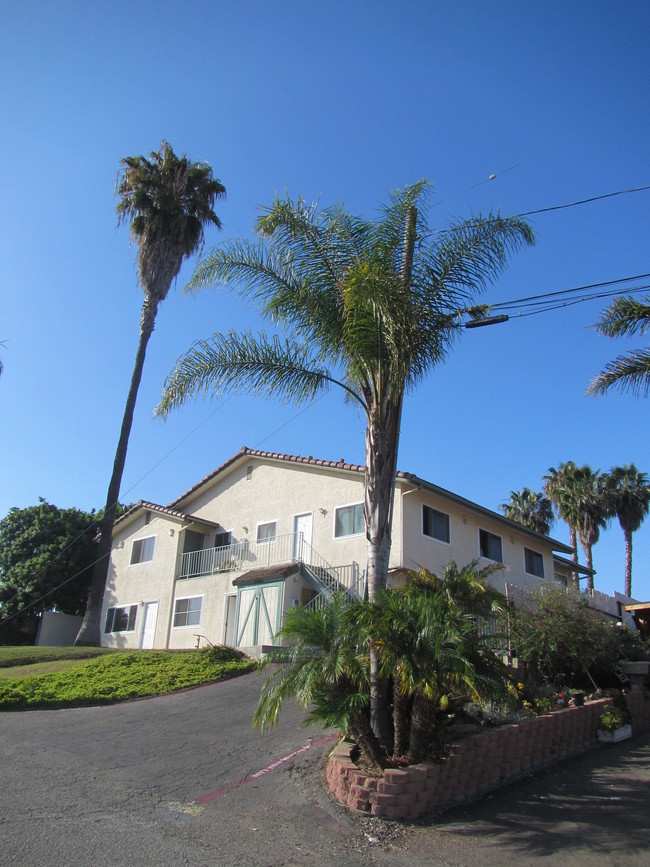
(559, 638)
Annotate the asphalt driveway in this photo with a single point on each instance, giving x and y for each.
(183, 779)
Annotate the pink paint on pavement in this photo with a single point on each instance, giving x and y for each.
(211, 796)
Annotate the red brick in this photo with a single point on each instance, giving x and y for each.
(381, 798)
(359, 804)
(395, 775)
(388, 788)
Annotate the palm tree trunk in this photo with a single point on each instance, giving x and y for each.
(628, 562)
(589, 561)
(90, 631)
(421, 724)
(573, 540)
(382, 438)
(400, 719)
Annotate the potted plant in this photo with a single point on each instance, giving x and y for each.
(613, 725)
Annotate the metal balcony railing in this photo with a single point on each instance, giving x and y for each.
(253, 554)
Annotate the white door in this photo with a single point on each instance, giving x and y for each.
(302, 528)
(149, 628)
(229, 606)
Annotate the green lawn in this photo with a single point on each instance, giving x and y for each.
(10, 656)
(64, 677)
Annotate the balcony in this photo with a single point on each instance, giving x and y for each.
(292, 548)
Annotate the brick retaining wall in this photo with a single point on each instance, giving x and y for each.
(476, 765)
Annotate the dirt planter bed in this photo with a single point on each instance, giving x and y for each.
(476, 765)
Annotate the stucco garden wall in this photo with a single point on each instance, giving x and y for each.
(476, 765)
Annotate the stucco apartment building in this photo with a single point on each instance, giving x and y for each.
(265, 532)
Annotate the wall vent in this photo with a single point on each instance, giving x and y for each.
(249, 473)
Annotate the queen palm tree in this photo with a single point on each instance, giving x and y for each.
(628, 492)
(370, 307)
(631, 372)
(168, 201)
(531, 509)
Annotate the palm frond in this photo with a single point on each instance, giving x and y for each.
(625, 316)
(242, 363)
(472, 253)
(626, 373)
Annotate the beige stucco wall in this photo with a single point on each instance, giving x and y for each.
(420, 550)
(128, 584)
(279, 492)
(240, 499)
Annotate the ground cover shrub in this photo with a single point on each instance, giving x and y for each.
(121, 676)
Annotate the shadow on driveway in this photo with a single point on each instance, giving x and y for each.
(594, 809)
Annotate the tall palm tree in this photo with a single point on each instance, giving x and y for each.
(628, 491)
(631, 372)
(559, 487)
(592, 512)
(371, 307)
(168, 201)
(531, 509)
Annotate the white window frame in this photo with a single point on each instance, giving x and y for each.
(135, 542)
(268, 539)
(114, 608)
(496, 536)
(174, 613)
(349, 535)
(427, 535)
(537, 554)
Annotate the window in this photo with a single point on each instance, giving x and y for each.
(349, 521)
(435, 524)
(267, 532)
(490, 546)
(142, 550)
(121, 619)
(222, 539)
(534, 563)
(187, 612)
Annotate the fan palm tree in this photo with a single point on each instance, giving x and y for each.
(631, 372)
(559, 487)
(531, 509)
(168, 201)
(370, 307)
(628, 492)
(592, 512)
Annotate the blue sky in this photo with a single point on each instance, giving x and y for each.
(341, 101)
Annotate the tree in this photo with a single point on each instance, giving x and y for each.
(46, 557)
(168, 201)
(531, 509)
(628, 493)
(559, 487)
(326, 668)
(592, 511)
(366, 309)
(631, 372)
(427, 644)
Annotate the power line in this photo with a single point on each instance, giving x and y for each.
(583, 201)
(517, 301)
